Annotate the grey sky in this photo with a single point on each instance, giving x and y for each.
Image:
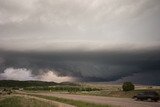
(70, 24)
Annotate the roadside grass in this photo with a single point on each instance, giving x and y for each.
(71, 102)
(17, 101)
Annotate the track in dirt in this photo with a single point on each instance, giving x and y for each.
(122, 102)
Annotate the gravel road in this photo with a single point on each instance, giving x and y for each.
(122, 102)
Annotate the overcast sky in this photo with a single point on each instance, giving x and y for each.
(80, 38)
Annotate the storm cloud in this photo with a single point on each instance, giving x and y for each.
(89, 40)
(88, 66)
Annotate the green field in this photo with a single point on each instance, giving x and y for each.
(17, 101)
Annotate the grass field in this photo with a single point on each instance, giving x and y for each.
(17, 101)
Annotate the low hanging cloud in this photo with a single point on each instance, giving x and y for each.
(17, 74)
(51, 76)
(25, 74)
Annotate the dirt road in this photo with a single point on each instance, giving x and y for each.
(122, 102)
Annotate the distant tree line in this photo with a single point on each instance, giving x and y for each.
(22, 84)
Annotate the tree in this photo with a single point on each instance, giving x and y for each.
(127, 86)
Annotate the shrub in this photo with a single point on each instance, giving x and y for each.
(127, 86)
